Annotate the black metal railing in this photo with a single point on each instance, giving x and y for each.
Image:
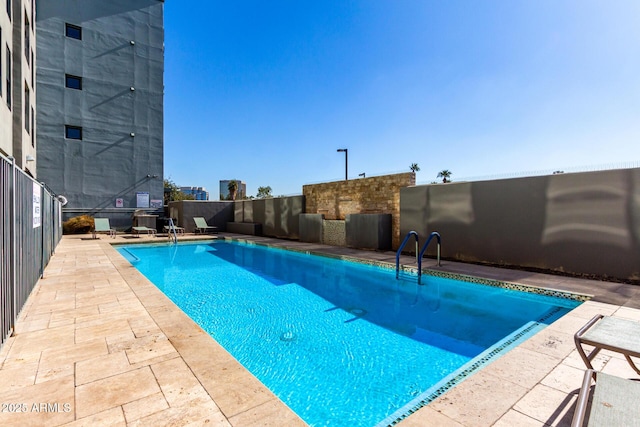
(30, 229)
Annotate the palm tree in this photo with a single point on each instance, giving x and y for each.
(414, 167)
(233, 188)
(264, 192)
(445, 175)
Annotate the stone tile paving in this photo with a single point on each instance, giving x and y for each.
(97, 344)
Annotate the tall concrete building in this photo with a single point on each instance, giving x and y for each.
(17, 83)
(100, 104)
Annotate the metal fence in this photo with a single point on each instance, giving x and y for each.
(30, 229)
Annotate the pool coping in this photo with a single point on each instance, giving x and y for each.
(539, 290)
(530, 385)
(404, 268)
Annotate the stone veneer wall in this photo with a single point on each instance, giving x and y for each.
(375, 195)
(333, 233)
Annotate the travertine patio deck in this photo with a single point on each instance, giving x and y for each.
(97, 344)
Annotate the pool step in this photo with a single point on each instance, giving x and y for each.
(407, 275)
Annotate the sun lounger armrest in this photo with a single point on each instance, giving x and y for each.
(583, 400)
(586, 327)
(577, 338)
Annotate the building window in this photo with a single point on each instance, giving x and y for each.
(73, 31)
(72, 132)
(8, 62)
(27, 37)
(27, 121)
(73, 82)
(9, 9)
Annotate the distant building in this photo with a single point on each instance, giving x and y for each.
(200, 193)
(224, 189)
(17, 83)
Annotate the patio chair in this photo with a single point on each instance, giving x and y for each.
(101, 225)
(610, 333)
(168, 229)
(202, 226)
(135, 231)
(612, 402)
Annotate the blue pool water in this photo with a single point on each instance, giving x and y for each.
(341, 343)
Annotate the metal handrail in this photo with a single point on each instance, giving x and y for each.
(424, 249)
(419, 254)
(172, 228)
(404, 242)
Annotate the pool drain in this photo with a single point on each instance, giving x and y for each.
(287, 336)
(358, 311)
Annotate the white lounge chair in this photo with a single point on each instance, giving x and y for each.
(202, 226)
(613, 401)
(136, 231)
(609, 333)
(101, 225)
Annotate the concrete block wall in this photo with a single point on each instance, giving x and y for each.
(580, 223)
(278, 216)
(375, 195)
(311, 228)
(368, 231)
(215, 213)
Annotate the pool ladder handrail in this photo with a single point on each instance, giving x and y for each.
(172, 228)
(431, 236)
(420, 254)
(402, 245)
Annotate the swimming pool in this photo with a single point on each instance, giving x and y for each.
(342, 343)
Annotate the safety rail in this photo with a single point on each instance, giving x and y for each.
(172, 229)
(404, 242)
(419, 254)
(30, 230)
(424, 249)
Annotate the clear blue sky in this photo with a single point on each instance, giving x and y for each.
(266, 91)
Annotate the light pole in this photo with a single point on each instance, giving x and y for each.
(346, 162)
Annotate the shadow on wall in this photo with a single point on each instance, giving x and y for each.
(48, 10)
(589, 212)
(278, 216)
(582, 223)
(451, 203)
